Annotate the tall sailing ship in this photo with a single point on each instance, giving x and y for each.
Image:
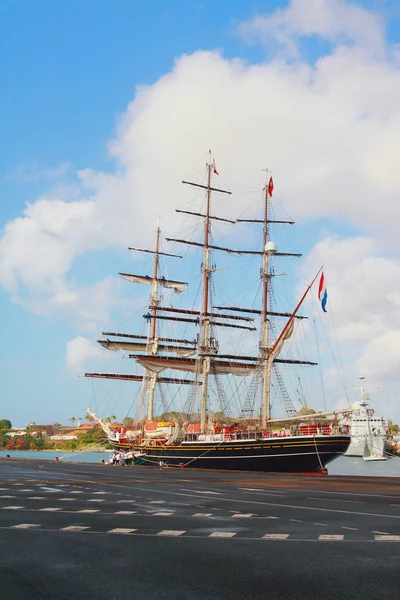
(197, 437)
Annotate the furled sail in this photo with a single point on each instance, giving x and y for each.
(177, 286)
(141, 347)
(160, 363)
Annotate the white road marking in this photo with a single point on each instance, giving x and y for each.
(9, 497)
(4, 489)
(89, 510)
(25, 526)
(321, 524)
(122, 501)
(387, 538)
(125, 512)
(162, 514)
(335, 500)
(200, 491)
(243, 515)
(222, 534)
(26, 490)
(67, 499)
(381, 532)
(331, 537)
(157, 502)
(351, 528)
(77, 492)
(275, 536)
(296, 521)
(202, 515)
(74, 528)
(296, 506)
(49, 509)
(172, 532)
(12, 507)
(121, 530)
(95, 500)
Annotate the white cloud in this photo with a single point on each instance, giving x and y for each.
(337, 21)
(80, 351)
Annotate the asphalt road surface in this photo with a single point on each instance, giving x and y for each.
(70, 531)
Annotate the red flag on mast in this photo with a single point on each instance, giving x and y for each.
(270, 186)
(215, 167)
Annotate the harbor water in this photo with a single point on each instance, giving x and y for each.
(344, 465)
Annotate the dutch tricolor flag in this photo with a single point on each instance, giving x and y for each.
(323, 292)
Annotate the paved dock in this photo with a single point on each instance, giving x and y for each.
(72, 531)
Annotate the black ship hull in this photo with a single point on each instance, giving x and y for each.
(302, 454)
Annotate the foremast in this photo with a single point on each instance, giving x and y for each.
(152, 346)
(150, 378)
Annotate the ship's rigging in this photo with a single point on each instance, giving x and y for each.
(200, 356)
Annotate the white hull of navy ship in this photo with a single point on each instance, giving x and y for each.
(201, 435)
(369, 433)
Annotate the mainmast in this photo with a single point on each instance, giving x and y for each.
(266, 377)
(204, 320)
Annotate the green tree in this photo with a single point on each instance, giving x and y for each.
(5, 424)
(394, 428)
(72, 420)
(306, 411)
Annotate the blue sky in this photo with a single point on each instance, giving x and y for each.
(70, 74)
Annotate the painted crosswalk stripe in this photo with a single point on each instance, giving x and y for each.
(8, 497)
(172, 532)
(121, 530)
(12, 507)
(125, 512)
(331, 537)
(89, 510)
(202, 515)
(25, 526)
(36, 498)
(77, 492)
(4, 489)
(157, 502)
(74, 528)
(275, 536)
(51, 509)
(243, 515)
(67, 499)
(222, 534)
(387, 538)
(95, 500)
(122, 501)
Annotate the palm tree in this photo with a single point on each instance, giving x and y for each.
(72, 421)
